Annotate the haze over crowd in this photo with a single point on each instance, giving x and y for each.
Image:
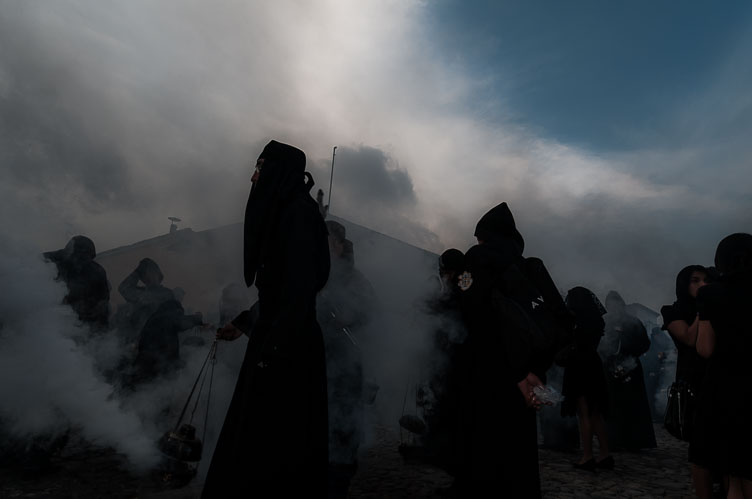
(620, 164)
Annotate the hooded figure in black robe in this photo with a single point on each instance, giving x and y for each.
(690, 367)
(88, 288)
(141, 301)
(344, 311)
(723, 434)
(158, 344)
(274, 439)
(630, 425)
(583, 374)
(497, 433)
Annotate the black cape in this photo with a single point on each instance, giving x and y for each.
(274, 439)
(583, 374)
(86, 280)
(630, 425)
(497, 433)
(344, 312)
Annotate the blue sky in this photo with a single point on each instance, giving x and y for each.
(603, 75)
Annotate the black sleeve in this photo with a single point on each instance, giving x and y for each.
(669, 314)
(246, 320)
(101, 309)
(129, 288)
(635, 340)
(709, 302)
(514, 332)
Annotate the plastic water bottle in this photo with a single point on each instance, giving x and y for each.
(547, 395)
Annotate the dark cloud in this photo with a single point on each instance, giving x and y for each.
(371, 189)
(368, 175)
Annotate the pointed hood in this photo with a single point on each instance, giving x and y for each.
(615, 303)
(498, 224)
(282, 176)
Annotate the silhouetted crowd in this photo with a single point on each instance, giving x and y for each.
(509, 351)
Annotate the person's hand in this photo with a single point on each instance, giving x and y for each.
(526, 387)
(229, 332)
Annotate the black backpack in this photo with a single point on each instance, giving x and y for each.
(530, 304)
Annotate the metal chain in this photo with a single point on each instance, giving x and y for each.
(198, 378)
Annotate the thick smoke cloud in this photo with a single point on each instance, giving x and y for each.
(49, 383)
(115, 117)
(92, 144)
(47, 137)
(58, 378)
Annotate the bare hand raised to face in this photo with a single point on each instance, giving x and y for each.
(229, 332)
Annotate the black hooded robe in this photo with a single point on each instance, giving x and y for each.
(86, 280)
(159, 345)
(497, 434)
(630, 425)
(584, 374)
(345, 303)
(274, 439)
(724, 435)
(690, 367)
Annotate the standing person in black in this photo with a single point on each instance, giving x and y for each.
(141, 301)
(497, 425)
(681, 321)
(344, 309)
(724, 336)
(630, 425)
(274, 439)
(158, 344)
(444, 362)
(86, 280)
(585, 391)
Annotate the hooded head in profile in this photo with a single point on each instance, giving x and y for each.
(78, 249)
(279, 178)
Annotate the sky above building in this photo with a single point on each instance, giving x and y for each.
(617, 132)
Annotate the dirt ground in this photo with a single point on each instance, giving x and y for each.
(83, 471)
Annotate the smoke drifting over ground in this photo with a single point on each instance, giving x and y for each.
(52, 372)
(398, 338)
(49, 384)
